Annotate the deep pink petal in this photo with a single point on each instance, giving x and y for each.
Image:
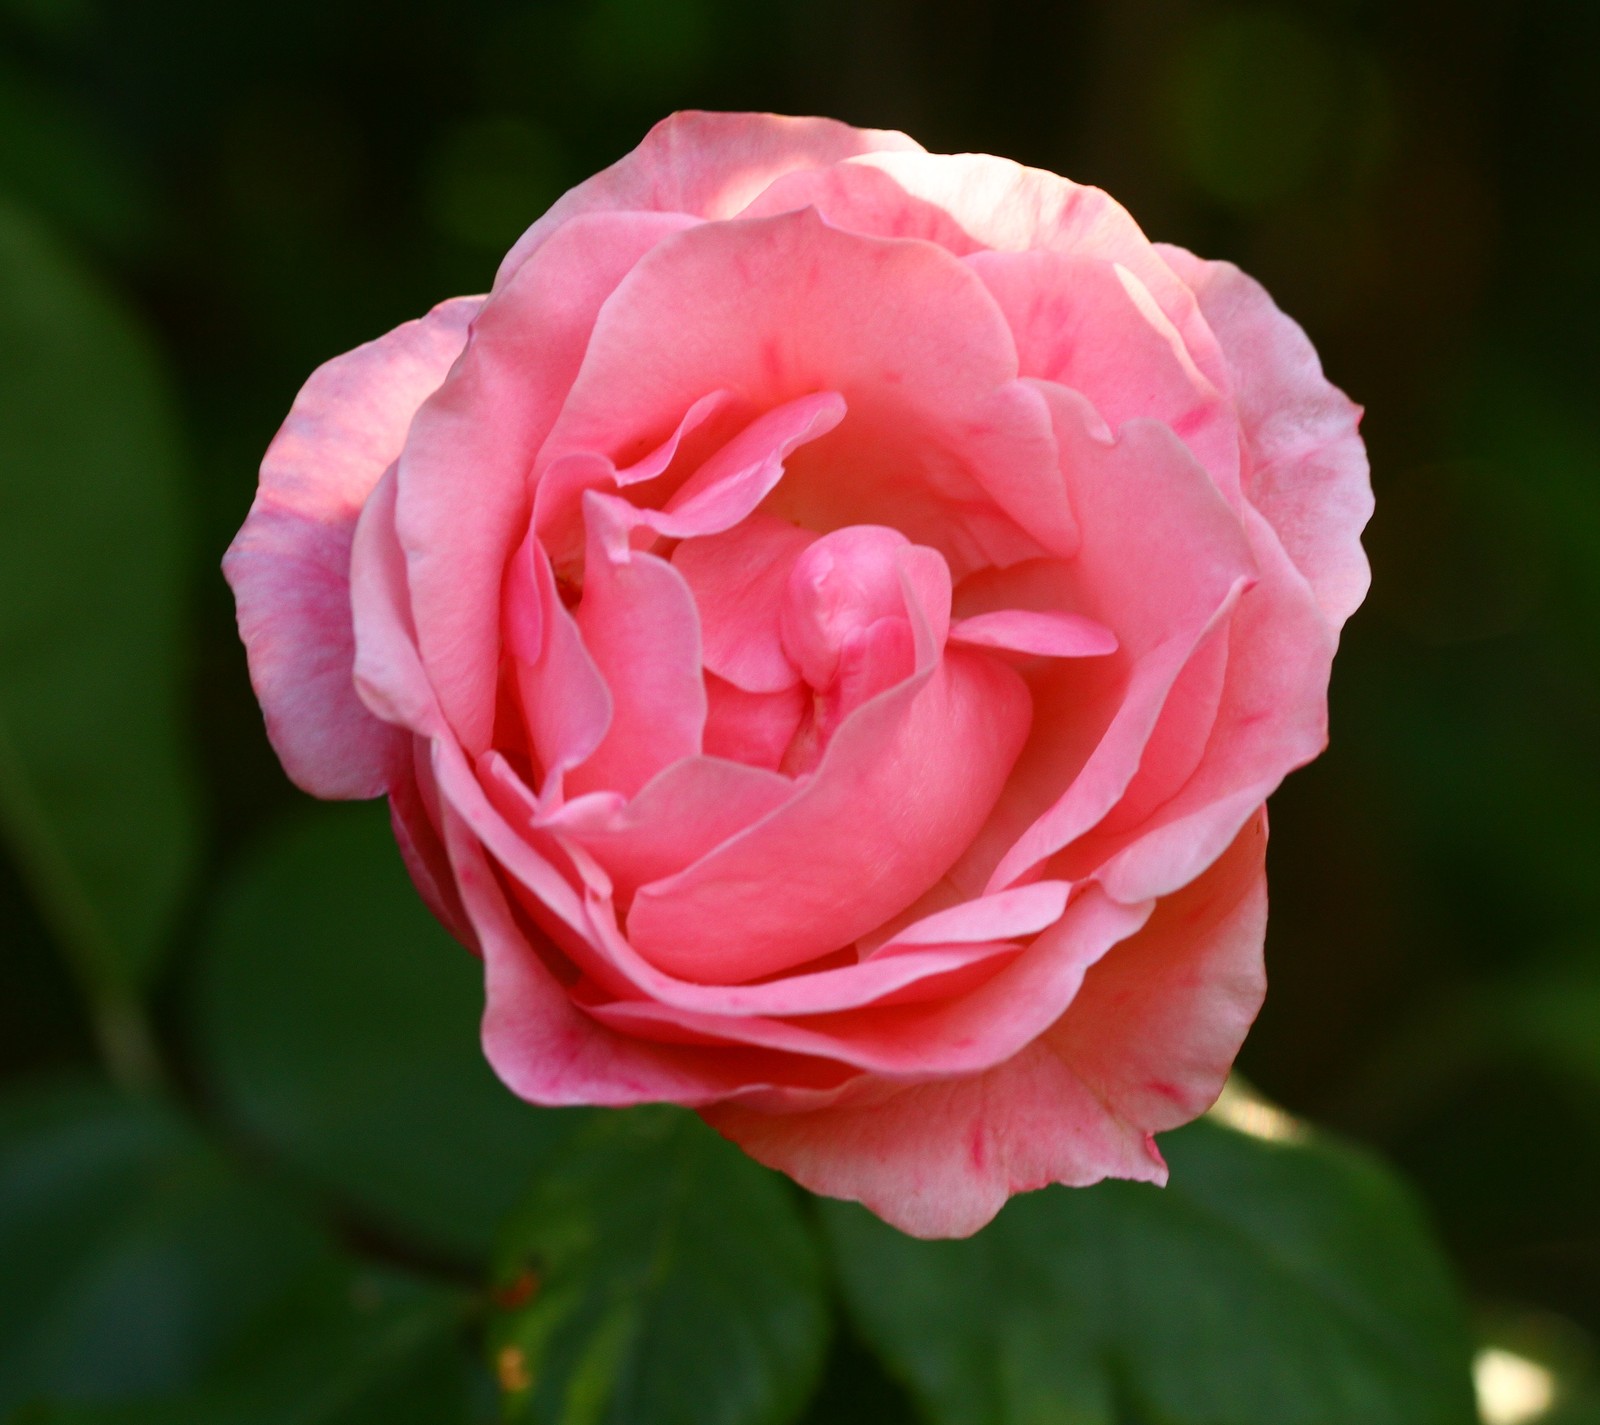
(755, 728)
(690, 808)
(1308, 471)
(290, 564)
(906, 976)
(739, 579)
(1049, 634)
(464, 495)
(548, 1051)
(638, 622)
(958, 1035)
(872, 820)
(1023, 910)
(707, 165)
(566, 705)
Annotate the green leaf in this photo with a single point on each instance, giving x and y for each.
(1284, 1282)
(131, 1256)
(340, 1026)
(657, 1276)
(95, 789)
(347, 1346)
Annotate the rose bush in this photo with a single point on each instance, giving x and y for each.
(826, 624)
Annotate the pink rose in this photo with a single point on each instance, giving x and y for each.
(826, 624)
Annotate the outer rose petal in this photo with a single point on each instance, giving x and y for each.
(1144, 1047)
(1310, 466)
(1157, 1024)
(707, 165)
(463, 496)
(290, 564)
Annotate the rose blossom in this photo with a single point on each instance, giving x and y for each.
(826, 624)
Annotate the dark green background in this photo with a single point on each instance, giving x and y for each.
(263, 185)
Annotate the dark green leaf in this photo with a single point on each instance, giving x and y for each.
(1272, 1283)
(95, 790)
(657, 1276)
(348, 1346)
(342, 1027)
(131, 1257)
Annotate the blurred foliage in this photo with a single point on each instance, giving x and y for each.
(199, 203)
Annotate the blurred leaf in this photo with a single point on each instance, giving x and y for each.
(487, 179)
(855, 1390)
(657, 1276)
(1285, 1283)
(56, 157)
(1256, 104)
(131, 1257)
(95, 790)
(341, 1026)
(352, 1346)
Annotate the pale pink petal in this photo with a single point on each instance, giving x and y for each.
(290, 564)
(707, 165)
(940, 441)
(940, 1159)
(739, 580)
(1002, 205)
(872, 818)
(388, 674)
(1093, 325)
(464, 495)
(562, 484)
(1144, 505)
(638, 622)
(1049, 634)
(1308, 471)
(1156, 1025)
(862, 199)
(728, 487)
(1273, 717)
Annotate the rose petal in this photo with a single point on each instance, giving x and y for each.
(707, 165)
(1308, 465)
(940, 1159)
(464, 498)
(871, 819)
(1093, 325)
(1004, 206)
(1049, 634)
(1158, 1021)
(754, 728)
(685, 811)
(290, 564)
(960, 1035)
(638, 622)
(739, 579)
(1145, 504)
(776, 308)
